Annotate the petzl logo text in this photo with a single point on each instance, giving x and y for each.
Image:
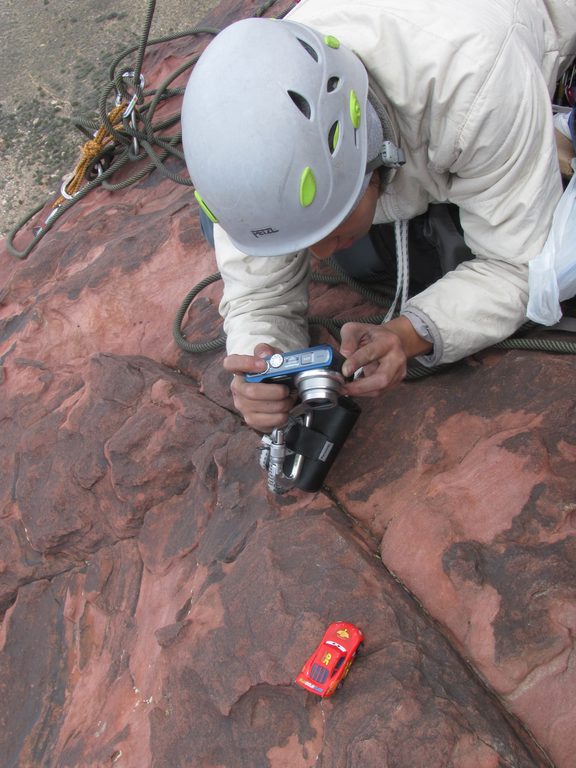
(264, 231)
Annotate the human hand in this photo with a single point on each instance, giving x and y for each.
(382, 351)
(376, 349)
(263, 406)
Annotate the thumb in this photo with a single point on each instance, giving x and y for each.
(264, 350)
(351, 335)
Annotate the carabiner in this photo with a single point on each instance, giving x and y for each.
(135, 144)
(49, 218)
(137, 93)
(63, 191)
(274, 453)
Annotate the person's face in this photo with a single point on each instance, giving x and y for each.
(354, 227)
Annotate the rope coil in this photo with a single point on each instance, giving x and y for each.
(126, 133)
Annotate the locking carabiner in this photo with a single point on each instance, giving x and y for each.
(274, 455)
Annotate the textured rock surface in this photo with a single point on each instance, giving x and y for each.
(474, 501)
(157, 603)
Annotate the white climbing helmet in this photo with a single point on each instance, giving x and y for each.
(274, 134)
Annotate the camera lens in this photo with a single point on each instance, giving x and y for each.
(319, 388)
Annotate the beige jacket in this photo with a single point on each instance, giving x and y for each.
(468, 86)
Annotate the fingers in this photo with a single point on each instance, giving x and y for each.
(388, 374)
(261, 396)
(379, 352)
(244, 364)
(363, 344)
(263, 406)
(353, 335)
(265, 350)
(249, 363)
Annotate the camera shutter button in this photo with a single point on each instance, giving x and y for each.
(276, 360)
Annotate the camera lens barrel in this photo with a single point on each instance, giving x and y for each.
(319, 388)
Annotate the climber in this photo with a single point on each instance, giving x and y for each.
(325, 132)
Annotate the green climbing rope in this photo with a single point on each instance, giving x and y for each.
(416, 370)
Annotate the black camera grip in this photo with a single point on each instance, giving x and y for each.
(330, 424)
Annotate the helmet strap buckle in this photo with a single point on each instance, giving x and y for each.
(390, 156)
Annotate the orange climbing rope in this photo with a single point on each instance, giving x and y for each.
(89, 152)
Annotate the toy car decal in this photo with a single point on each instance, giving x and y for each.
(308, 684)
(327, 667)
(337, 645)
(319, 673)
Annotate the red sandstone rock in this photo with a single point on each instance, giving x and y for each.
(157, 602)
(476, 510)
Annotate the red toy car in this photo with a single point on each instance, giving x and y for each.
(332, 659)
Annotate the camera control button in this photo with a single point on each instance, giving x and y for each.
(276, 360)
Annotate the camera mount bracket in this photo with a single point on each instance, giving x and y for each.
(300, 453)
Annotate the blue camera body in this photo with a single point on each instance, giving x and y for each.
(315, 372)
(284, 366)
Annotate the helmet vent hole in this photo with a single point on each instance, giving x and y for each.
(333, 136)
(308, 48)
(302, 104)
(332, 84)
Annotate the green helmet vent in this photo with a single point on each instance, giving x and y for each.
(355, 110)
(204, 207)
(331, 41)
(307, 187)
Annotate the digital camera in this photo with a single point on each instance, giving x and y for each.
(315, 372)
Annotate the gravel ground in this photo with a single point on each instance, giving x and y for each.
(54, 58)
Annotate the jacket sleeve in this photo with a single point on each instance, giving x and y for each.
(265, 298)
(504, 177)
